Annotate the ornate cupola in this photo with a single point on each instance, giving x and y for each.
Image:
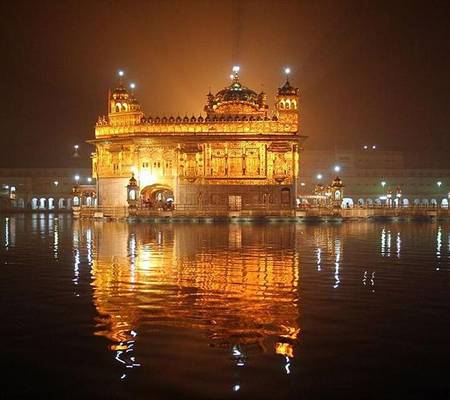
(286, 101)
(236, 100)
(124, 109)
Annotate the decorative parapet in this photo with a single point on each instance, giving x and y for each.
(163, 126)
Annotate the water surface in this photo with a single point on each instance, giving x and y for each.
(211, 311)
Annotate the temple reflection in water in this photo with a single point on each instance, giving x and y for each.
(234, 283)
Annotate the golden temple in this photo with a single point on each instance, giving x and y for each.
(238, 155)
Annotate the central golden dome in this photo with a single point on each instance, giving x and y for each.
(236, 100)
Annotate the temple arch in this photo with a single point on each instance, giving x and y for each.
(157, 196)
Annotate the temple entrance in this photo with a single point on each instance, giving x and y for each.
(159, 197)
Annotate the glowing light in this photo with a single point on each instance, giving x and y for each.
(383, 183)
(302, 184)
(439, 183)
(337, 168)
(319, 176)
(231, 76)
(132, 85)
(77, 177)
(56, 183)
(89, 179)
(366, 147)
(287, 70)
(236, 69)
(76, 147)
(374, 147)
(120, 73)
(146, 178)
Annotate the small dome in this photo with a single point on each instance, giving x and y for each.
(287, 90)
(132, 181)
(120, 93)
(337, 182)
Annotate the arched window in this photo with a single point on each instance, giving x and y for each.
(288, 104)
(51, 203)
(34, 204)
(76, 201)
(282, 105)
(444, 203)
(125, 107)
(347, 202)
(42, 203)
(294, 104)
(61, 203)
(118, 107)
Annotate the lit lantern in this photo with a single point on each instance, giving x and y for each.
(337, 191)
(132, 192)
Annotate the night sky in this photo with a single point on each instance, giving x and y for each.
(369, 72)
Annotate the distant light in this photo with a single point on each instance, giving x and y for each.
(76, 147)
(302, 184)
(383, 183)
(319, 176)
(56, 183)
(121, 73)
(287, 71)
(366, 147)
(132, 85)
(89, 179)
(439, 183)
(236, 69)
(77, 177)
(6, 186)
(337, 168)
(231, 76)
(374, 147)
(236, 388)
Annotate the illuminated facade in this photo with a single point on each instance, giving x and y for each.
(238, 155)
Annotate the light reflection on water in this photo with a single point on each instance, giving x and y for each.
(217, 310)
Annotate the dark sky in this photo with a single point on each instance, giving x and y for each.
(369, 72)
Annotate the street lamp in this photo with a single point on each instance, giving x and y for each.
(77, 178)
(389, 197)
(56, 183)
(383, 183)
(337, 168)
(89, 179)
(439, 183)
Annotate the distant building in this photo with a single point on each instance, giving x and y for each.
(40, 189)
(370, 175)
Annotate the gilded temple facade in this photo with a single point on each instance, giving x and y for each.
(238, 155)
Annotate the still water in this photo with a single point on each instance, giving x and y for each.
(215, 311)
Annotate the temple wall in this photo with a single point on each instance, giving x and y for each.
(251, 196)
(112, 192)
